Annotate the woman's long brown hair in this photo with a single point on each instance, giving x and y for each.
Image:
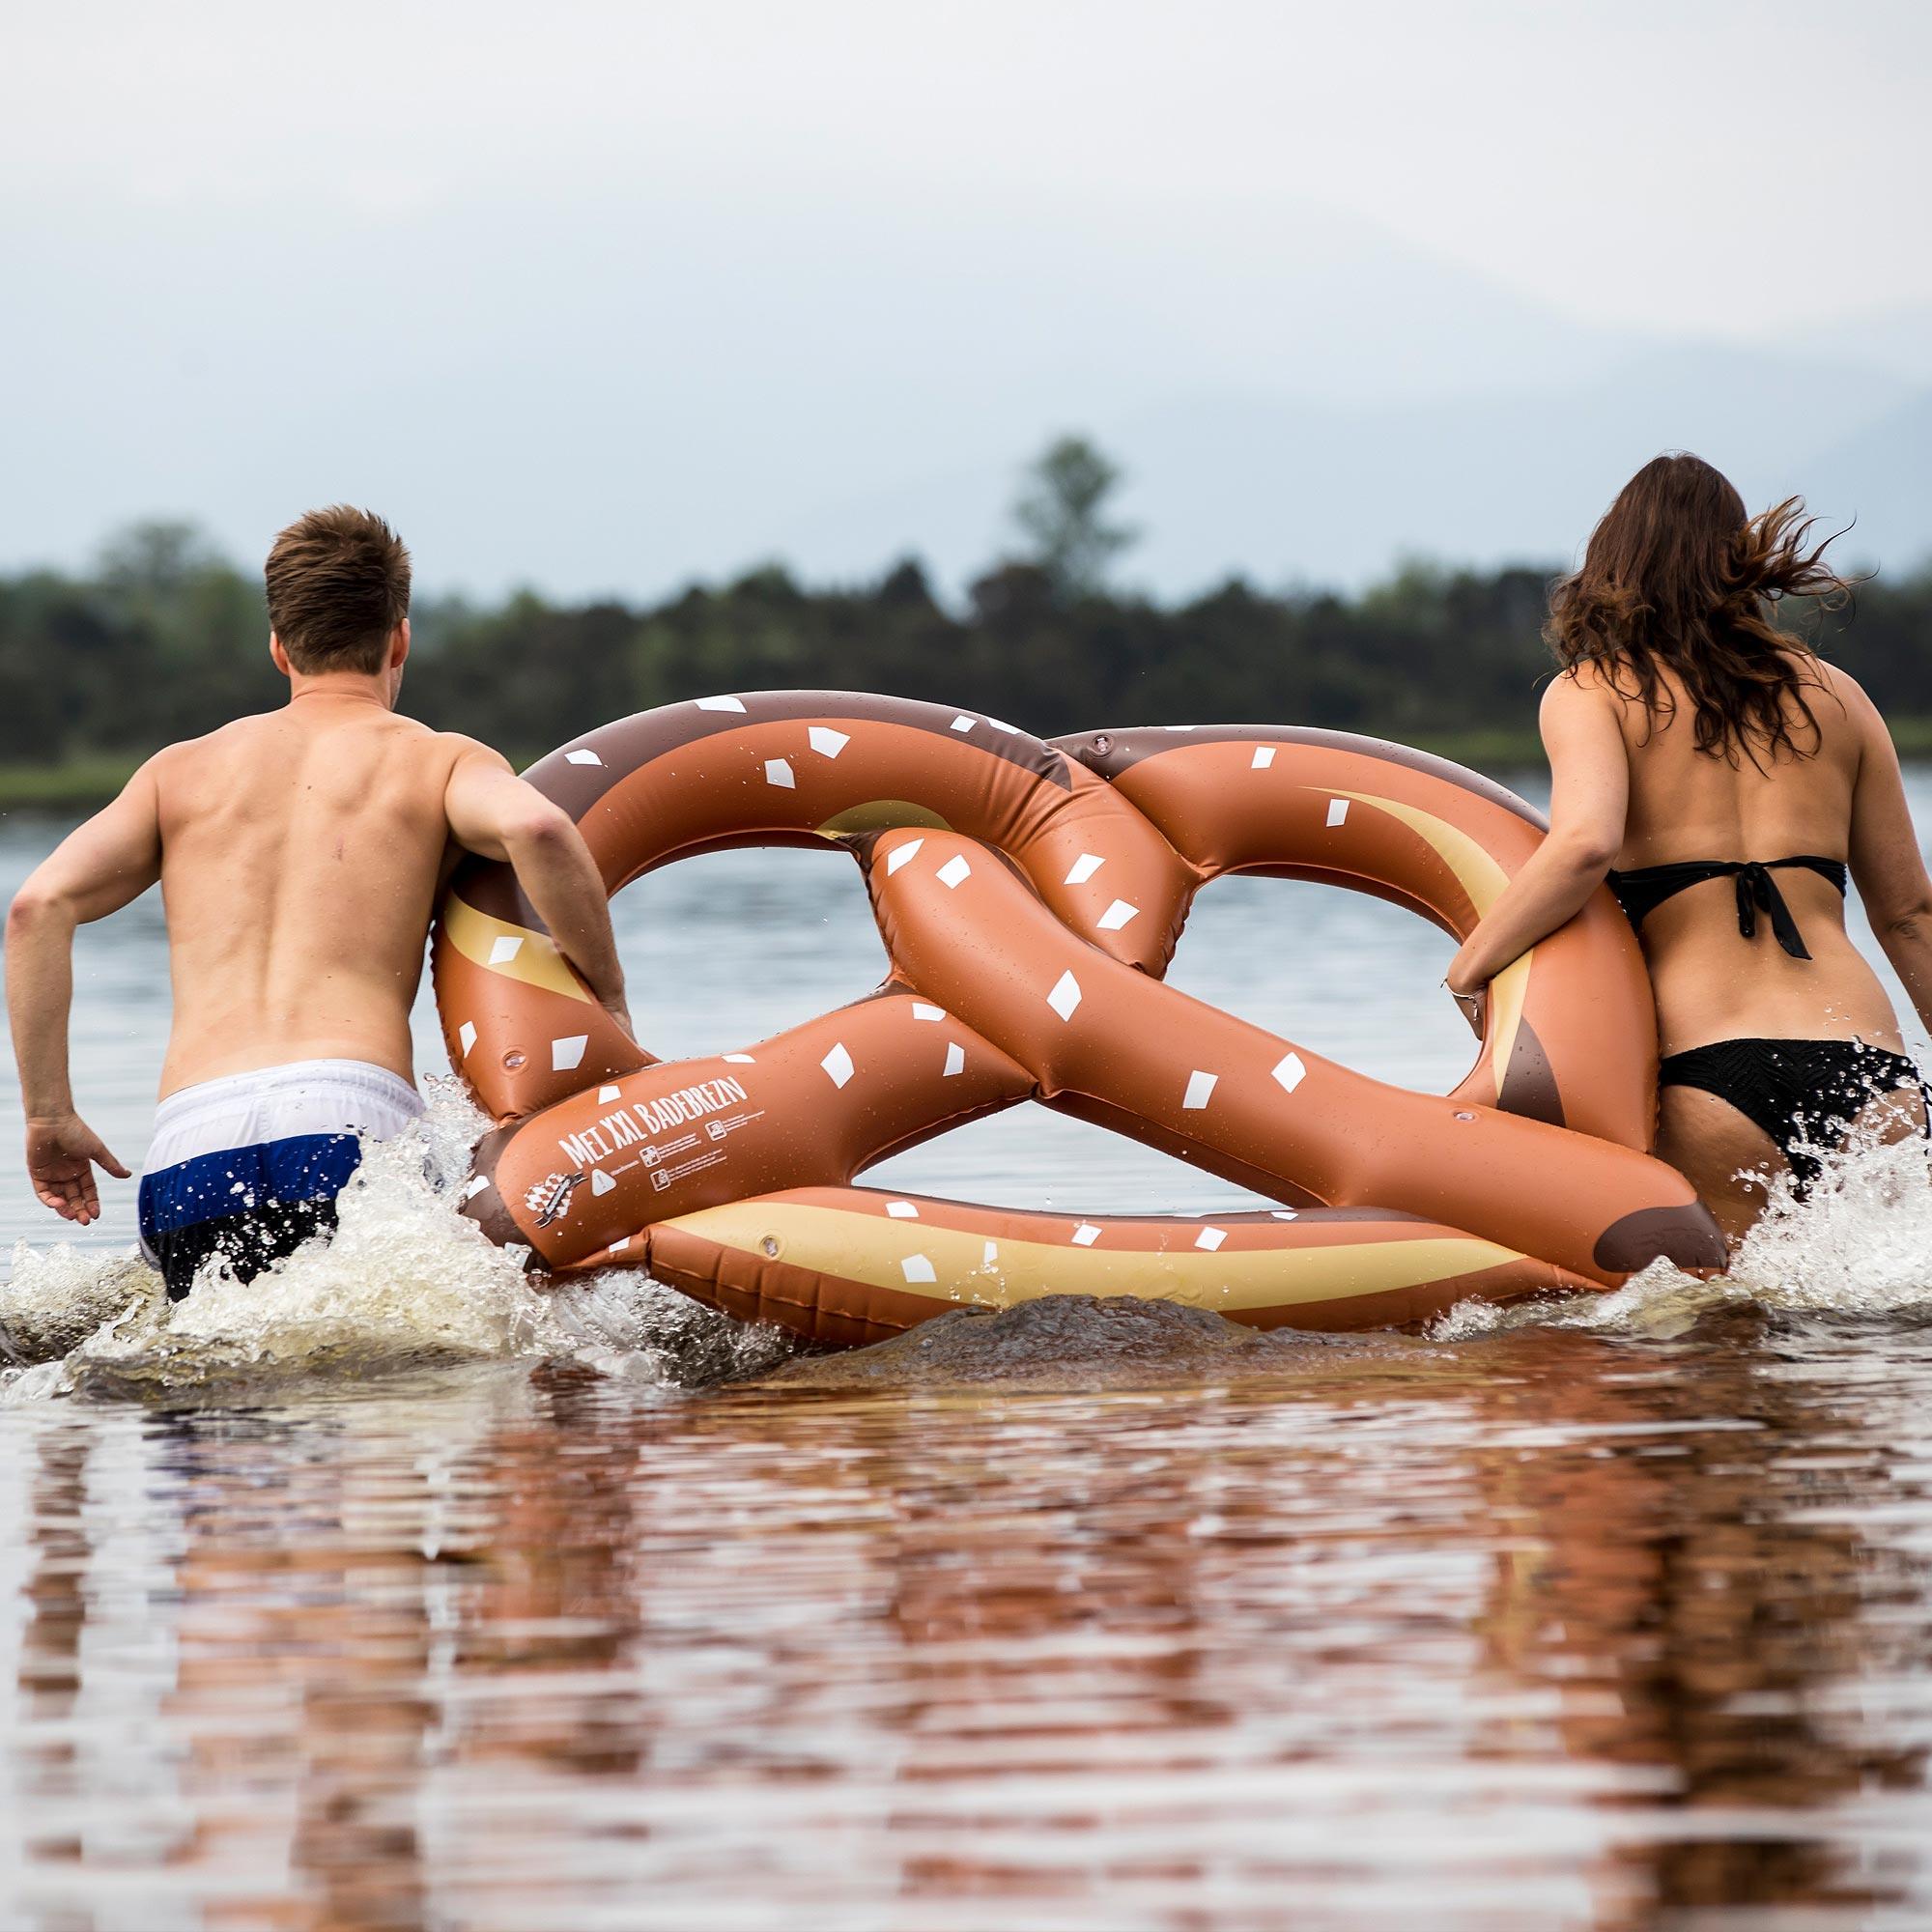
(1678, 576)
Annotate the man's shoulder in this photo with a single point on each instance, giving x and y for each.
(462, 749)
(422, 739)
(184, 755)
(429, 758)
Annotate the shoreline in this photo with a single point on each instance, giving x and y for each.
(86, 784)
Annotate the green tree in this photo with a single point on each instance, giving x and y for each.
(1062, 511)
(157, 556)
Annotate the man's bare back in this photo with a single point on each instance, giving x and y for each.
(299, 855)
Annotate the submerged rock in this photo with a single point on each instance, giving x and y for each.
(1061, 1342)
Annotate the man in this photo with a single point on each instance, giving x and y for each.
(300, 855)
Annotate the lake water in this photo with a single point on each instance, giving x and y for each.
(388, 1593)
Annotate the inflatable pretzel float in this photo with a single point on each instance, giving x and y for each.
(1031, 896)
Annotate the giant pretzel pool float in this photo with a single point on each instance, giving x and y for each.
(1030, 895)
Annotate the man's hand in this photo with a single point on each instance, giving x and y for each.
(620, 1011)
(61, 1152)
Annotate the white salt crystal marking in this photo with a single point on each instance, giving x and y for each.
(827, 742)
(991, 1256)
(900, 854)
(720, 705)
(568, 1052)
(504, 948)
(1264, 757)
(1283, 1214)
(1065, 994)
(963, 723)
(467, 1034)
(1084, 867)
(609, 1093)
(581, 757)
(1085, 1235)
(954, 872)
(740, 1060)
(1211, 1238)
(1338, 811)
(837, 1064)
(901, 1210)
(916, 1267)
(477, 1183)
(1290, 1073)
(1200, 1090)
(955, 1060)
(778, 771)
(922, 1011)
(600, 1182)
(618, 1246)
(1117, 916)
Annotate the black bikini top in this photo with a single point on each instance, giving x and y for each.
(1641, 891)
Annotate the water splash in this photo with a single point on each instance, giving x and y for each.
(1858, 1247)
(403, 1281)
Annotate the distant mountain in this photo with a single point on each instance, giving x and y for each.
(1881, 474)
(1279, 488)
(1898, 340)
(667, 383)
(624, 394)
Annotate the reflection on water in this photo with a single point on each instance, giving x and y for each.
(1542, 1628)
(390, 1594)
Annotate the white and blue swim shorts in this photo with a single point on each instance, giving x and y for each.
(248, 1167)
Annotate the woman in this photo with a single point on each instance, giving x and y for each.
(1729, 776)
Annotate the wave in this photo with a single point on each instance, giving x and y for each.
(406, 1283)
(1856, 1247)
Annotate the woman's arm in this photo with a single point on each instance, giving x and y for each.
(1589, 796)
(1887, 864)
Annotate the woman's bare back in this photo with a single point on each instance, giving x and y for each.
(1711, 982)
(300, 857)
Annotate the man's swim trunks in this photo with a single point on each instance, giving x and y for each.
(248, 1167)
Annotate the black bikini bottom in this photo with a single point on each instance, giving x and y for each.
(1805, 1094)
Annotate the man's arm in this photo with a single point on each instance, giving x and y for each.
(100, 868)
(494, 813)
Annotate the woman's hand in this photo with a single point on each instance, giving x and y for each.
(1472, 999)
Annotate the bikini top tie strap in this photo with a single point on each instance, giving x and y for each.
(1757, 891)
(1641, 891)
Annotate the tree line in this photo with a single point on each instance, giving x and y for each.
(165, 638)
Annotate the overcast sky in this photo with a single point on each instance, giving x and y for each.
(231, 201)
